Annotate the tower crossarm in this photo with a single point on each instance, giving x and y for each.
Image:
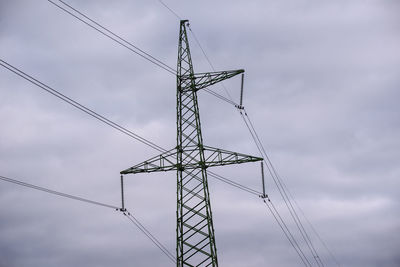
(203, 80)
(212, 157)
(163, 162)
(220, 157)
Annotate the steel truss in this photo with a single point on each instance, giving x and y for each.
(195, 238)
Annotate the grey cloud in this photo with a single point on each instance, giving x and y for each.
(321, 87)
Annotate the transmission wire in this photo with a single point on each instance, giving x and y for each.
(315, 231)
(123, 42)
(57, 193)
(209, 62)
(79, 106)
(255, 137)
(283, 191)
(234, 184)
(170, 9)
(287, 232)
(230, 100)
(96, 115)
(278, 185)
(107, 121)
(167, 68)
(69, 196)
(147, 233)
(262, 152)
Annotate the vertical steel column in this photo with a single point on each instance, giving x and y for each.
(195, 230)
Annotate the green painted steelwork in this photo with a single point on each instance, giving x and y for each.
(213, 157)
(195, 244)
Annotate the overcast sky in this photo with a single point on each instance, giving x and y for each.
(321, 87)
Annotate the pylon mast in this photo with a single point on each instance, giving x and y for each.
(195, 237)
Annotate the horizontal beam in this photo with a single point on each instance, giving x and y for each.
(212, 157)
(203, 80)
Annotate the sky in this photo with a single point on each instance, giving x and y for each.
(321, 87)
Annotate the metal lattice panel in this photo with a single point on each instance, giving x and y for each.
(195, 238)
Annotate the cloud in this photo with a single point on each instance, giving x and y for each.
(321, 87)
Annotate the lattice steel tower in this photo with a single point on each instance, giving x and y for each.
(195, 238)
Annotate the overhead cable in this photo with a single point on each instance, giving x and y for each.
(107, 121)
(211, 65)
(201, 48)
(287, 232)
(333, 257)
(233, 183)
(230, 100)
(134, 220)
(80, 106)
(116, 38)
(152, 238)
(170, 9)
(141, 53)
(110, 123)
(43, 189)
(74, 12)
(278, 181)
(282, 189)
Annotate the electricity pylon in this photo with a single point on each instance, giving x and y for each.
(195, 238)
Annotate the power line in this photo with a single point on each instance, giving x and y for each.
(116, 38)
(110, 123)
(103, 119)
(122, 41)
(221, 97)
(273, 175)
(80, 106)
(282, 188)
(255, 137)
(151, 237)
(43, 189)
(259, 145)
(134, 220)
(211, 65)
(315, 232)
(234, 184)
(170, 9)
(263, 152)
(198, 44)
(230, 100)
(107, 121)
(142, 54)
(287, 232)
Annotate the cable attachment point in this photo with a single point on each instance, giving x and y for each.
(240, 107)
(241, 93)
(263, 182)
(122, 195)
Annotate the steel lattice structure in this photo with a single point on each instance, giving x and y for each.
(195, 238)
